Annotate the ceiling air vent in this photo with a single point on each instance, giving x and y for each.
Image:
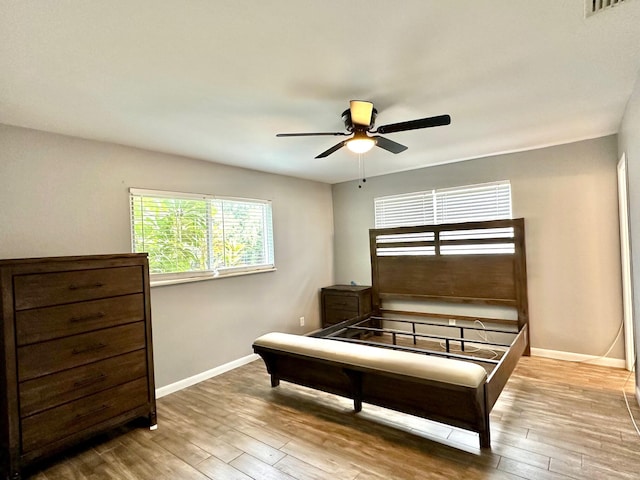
(595, 6)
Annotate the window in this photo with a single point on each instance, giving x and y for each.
(487, 201)
(190, 236)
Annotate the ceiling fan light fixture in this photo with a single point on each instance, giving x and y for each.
(361, 143)
(359, 120)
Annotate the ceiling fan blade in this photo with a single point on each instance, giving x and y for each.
(415, 124)
(361, 112)
(335, 148)
(313, 134)
(389, 145)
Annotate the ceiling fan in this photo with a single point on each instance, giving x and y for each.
(359, 120)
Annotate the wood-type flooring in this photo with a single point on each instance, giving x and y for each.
(554, 420)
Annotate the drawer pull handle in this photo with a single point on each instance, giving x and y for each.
(89, 348)
(92, 412)
(84, 318)
(90, 381)
(73, 286)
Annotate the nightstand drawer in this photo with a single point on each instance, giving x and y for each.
(53, 390)
(51, 425)
(45, 289)
(335, 316)
(56, 355)
(40, 324)
(341, 302)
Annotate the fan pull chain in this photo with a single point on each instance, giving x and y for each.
(361, 170)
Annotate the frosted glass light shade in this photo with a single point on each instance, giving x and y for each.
(361, 145)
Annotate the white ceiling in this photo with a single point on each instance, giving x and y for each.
(216, 80)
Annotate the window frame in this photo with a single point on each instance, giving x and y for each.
(169, 278)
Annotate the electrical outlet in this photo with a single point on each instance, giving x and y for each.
(302, 321)
(452, 321)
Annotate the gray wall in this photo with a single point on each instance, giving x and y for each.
(568, 197)
(66, 196)
(629, 144)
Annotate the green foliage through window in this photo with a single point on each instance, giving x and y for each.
(185, 233)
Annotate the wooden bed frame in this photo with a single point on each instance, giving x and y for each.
(476, 264)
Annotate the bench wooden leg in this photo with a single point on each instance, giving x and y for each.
(270, 361)
(356, 388)
(485, 439)
(483, 418)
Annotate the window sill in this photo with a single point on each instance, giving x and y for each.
(204, 278)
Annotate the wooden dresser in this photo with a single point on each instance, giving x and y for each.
(341, 302)
(76, 351)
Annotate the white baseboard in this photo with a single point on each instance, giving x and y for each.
(200, 377)
(579, 357)
(538, 352)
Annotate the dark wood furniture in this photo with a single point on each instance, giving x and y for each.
(415, 271)
(441, 389)
(343, 302)
(76, 350)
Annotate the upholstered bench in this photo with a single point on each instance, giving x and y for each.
(445, 390)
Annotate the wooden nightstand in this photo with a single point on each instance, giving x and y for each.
(341, 302)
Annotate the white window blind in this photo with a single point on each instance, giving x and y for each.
(489, 201)
(403, 210)
(189, 235)
(477, 202)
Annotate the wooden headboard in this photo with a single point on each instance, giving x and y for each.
(471, 263)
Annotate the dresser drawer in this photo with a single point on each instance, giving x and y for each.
(40, 324)
(341, 302)
(45, 289)
(55, 355)
(51, 425)
(53, 390)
